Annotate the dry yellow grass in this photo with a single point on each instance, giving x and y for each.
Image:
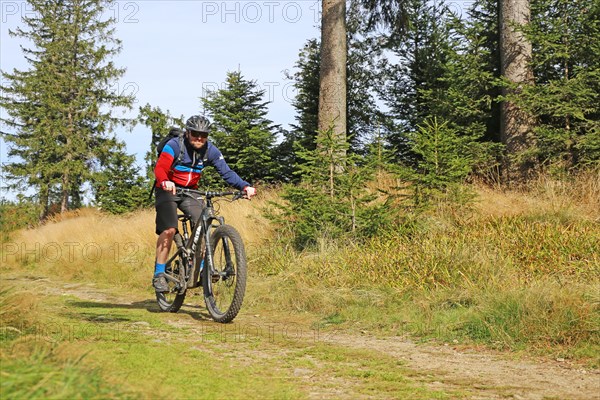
(580, 196)
(87, 244)
(91, 244)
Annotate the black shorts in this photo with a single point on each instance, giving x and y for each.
(166, 205)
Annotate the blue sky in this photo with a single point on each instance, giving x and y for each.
(175, 50)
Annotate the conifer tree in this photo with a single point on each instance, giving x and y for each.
(159, 123)
(412, 81)
(565, 98)
(118, 187)
(332, 73)
(480, 46)
(306, 102)
(445, 156)
(61, 108)
(466, 94)
(365, 117)
(241, 130)
(327, 205)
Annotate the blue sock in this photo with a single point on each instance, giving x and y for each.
(159, 268)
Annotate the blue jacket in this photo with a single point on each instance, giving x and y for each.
(189, 171)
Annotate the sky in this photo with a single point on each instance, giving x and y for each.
(174, 51)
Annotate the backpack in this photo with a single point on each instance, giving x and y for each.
(173, 133)
(180, 134)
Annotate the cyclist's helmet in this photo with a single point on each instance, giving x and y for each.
(198, 123)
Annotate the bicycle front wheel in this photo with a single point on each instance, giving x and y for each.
(224, 282)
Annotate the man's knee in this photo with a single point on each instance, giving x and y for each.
(169, 232)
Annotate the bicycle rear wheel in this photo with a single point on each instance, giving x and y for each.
(224, 281)
(172, 300)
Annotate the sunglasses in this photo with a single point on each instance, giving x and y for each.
(197, 134)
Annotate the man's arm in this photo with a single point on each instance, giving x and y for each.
(162, 167)
(216, 159)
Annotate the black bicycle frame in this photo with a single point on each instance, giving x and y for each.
(187, 250)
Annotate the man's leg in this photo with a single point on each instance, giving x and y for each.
(193, 207)
(163, 245)
(166, 226)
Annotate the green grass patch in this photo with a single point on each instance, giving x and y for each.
(367, 372)
(42, 376)
(134, 351)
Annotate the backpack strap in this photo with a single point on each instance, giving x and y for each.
(179, 158)
(176, 161)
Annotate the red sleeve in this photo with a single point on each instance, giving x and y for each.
(162, 168)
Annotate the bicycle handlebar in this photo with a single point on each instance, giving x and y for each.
(237, 194)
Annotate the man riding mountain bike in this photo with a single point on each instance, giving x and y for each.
(181, 166)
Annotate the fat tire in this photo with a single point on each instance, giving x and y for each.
(239, 256)
(167, 305)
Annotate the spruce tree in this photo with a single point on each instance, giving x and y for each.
(466, 94)
(364, 116)
(306, 102)
(472, 72)
(516, 123)
(482, 52)
(159, 123)
(241, 130)
(61, 108)
(565, 98)
(412, 80)
(445, 156)
(118, 187)
(365, 52)
(326, 205)
(332, 73)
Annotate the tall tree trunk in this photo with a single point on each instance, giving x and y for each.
(66, 176)
(516, 125)
(66, 186)
(332, 91)
(44, 198)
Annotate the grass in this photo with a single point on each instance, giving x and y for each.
(519, 271)
(515, 282)
(370, 372)
(34, 365)
(41, 376)
(89, 349)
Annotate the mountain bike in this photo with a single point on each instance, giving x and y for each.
(209, 254)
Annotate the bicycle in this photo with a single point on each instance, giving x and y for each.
(210, 254)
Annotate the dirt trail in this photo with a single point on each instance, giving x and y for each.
(478, 373)
(490, 375)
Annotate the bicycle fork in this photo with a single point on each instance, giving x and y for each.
(214, 272)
